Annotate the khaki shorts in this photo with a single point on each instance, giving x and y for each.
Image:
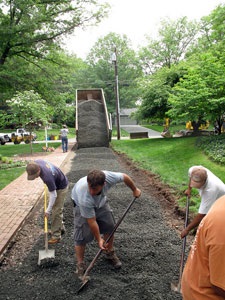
(82, 232)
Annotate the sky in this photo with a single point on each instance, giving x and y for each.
(137, 19)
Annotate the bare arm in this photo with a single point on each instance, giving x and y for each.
(95, 230)
(195, 222)
(129, 182)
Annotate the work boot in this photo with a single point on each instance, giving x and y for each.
(81, 268)
(63, 231)
(112, 257)
(53, 241)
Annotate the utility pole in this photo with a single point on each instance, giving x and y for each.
(114, 60)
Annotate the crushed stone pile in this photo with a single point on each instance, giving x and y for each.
(148, 248)
(92, 130)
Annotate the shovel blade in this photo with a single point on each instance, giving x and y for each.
(176, 287)
(45, 254)
(85, 281)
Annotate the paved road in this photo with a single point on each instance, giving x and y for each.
(138, 128)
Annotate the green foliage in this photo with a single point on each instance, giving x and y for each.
(200, 94)
(101, 71)
(23, 149)
(156, 90)
(28, 109)
(170, 159)
(30, 28)
(9, 172)
(196, 90)
(213, 29)
(173, 40)
(55, 131)
(11, 164)
(30, 56)
(4, 159)
(213, 147)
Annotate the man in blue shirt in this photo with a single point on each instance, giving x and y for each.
(93, 215)
(57, 184)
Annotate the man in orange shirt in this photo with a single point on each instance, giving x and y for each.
(204, 273)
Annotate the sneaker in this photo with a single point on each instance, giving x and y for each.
(113, 259)
(80, 270)
(53, 241)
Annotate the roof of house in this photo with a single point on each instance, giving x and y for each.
(127, 111)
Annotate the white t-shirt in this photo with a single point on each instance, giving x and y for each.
(64, 132)
(213, 189)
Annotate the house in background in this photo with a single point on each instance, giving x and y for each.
(125, 117)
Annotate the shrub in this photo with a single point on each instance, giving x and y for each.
(213, 147)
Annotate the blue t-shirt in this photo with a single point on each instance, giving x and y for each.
(88, 203)
(52, 176)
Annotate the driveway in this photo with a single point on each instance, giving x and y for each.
(138, 128)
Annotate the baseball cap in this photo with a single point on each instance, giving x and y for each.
(198, 177)
(32, 170)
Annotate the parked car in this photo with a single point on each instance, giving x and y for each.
(21, 135)
(2, 140)
(6, 137)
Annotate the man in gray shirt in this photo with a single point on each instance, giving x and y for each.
(92, 213)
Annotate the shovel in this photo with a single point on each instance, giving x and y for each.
(177, 287)
(46, 253)
(86, 278)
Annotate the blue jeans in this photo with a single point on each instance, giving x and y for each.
(64, 143)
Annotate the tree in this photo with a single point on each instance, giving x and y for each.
(155, 90)
(30, 59)
(29, 29)
(212, 29)
(55, 82)
(101, 73)
(29, 109)
(200, 95)
(174, 39)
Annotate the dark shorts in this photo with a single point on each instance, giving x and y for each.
(82, 232)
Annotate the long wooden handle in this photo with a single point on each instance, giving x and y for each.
(183, 244)
(108, 239)
(45, 207)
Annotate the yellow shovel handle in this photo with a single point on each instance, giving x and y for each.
(45, 207)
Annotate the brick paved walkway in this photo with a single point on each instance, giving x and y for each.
(19, 197)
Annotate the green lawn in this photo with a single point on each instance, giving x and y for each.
(170, 159)
(10, 174)
(56, 132)
(13, 150)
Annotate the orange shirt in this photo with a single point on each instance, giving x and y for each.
(206, 261)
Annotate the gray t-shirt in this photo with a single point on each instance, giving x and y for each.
(88, 203)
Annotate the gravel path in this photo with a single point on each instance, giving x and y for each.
(148, 247)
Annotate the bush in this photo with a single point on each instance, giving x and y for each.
(213, 147)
